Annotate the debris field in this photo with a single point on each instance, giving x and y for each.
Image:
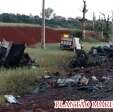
(86, 83)
(91, 83)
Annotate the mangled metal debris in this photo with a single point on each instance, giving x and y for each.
(84, 81)
(94, 78)
(77, 81)
(12, 55)
(65, 82)
(95, 56)
(89, 88)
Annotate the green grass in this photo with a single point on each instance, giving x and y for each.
(51, 58)
(19, 81)
(19, 24)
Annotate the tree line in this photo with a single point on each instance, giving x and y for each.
(98, 25)
(57, 21)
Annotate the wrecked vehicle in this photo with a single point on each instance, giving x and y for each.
(12, 55)
(95, 56)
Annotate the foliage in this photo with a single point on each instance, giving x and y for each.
(18, 18)
(77, 33)
(105, 27)
(48, 12)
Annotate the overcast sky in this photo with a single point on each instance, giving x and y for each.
(67, 8)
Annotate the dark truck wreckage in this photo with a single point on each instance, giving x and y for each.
(12, 55)
(96, 56)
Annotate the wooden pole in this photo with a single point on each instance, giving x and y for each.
(112, 26)
(94, 19)
(43, 25)
(84, 19)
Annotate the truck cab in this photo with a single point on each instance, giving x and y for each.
(70, 42)
(66, 42)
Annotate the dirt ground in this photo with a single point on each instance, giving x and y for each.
(44, 101)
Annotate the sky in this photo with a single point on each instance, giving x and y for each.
(66, 8)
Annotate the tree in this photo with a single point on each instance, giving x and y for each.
(103, 25)
(59, 18)
(108, 28)
(48, 12)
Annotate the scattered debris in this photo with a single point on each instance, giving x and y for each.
(84, 81)
(99, 85)
(69, 88)
(65, 82)
(88, 88)
(79, 61)
(95, 56)
(46, 76)
(12, 55)
(76, 78)
(105, 78)
(43, 86)
(11, 99)
(94, 78)
(36, 90)
(78, 81)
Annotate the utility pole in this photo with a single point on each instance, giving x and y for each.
(102, 24)
(43, 25)
(94, 20)
(84, 19)
(112, 26)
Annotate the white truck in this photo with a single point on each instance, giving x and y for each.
(70, 43)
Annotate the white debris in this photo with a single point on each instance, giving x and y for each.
(84, 81)
(11, 99)
(35, 91)
(76, 78)
(94, 78)
(33, 67)
(61, 82)
(69, 80)
(46, 76)
(106, 78)
(65, 82)
(99, 85)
